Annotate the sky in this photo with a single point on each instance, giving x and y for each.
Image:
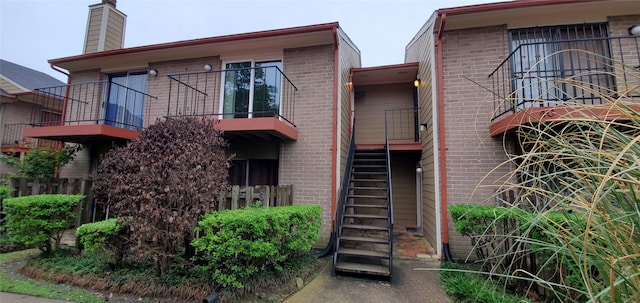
(34, 31)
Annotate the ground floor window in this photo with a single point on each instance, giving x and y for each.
(254, 172)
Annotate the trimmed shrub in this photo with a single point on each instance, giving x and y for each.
(36, 220)
(105, 237)
(237, 244)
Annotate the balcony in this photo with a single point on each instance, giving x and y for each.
(14, 142)
(248, 103)
(88, 112)
(561, 80)
(400, 125)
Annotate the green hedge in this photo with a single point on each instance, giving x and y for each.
(236, 244)
(106, 238)
(36, 220)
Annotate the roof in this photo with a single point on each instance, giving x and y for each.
(25, 77)
(521, 13)
(318, 34)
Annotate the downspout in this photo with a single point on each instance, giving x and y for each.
(441, 142)
(328, 250)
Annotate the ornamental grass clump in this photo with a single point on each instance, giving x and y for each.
(579, 178)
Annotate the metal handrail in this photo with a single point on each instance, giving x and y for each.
(601, 63)
(389, 196)
(344, 191)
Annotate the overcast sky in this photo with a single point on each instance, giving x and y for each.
(34, 31)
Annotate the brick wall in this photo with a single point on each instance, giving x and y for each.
(469, 56)
(306, 163)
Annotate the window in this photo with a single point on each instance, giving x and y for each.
(253, 172)
(252, 89)
(125, 100)
(541, 55)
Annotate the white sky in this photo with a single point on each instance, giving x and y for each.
(34, 31)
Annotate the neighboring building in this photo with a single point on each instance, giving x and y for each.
(515, 49)
(287, 100)
(17, 92)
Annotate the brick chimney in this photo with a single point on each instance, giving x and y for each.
(105, 28)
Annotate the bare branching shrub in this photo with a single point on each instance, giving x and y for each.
(164, 181)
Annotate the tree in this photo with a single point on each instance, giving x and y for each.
(41, 162)
(165, 180)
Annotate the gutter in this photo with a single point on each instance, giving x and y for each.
(442, 147)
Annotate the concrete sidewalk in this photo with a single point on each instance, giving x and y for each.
(407, 285)
(17, 298)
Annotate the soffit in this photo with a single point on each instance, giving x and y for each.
(401, 73)
(543, 15)
(124, 58)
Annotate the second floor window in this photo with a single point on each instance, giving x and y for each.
(124, 106)
(542, 55)
(252, 89)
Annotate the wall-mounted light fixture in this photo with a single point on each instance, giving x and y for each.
(207, 67)
(350, 85)
(419, 169)
(423, 127)
(416, 82)
(634, 30)
(153, 72)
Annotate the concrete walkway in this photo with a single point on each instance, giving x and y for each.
(17, 298)
(407, 285)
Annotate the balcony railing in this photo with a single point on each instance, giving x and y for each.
(402, 124)
(233, 93)
(12, 137)
(567, 72)
(100, 102)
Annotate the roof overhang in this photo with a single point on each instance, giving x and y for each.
(517, 14)
(295, 37)
(387, 74)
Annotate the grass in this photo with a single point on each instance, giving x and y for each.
(37, 288)
(468, 286)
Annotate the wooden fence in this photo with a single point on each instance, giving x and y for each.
(238, 197)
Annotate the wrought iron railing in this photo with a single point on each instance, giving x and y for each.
(567, 72)
(12, 137)
(389, 196)
(402, 124)
(344, 192)
(100, 102)
(233, 93)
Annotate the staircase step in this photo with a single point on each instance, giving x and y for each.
(364, 239)
(363, 253)
(367, 188)
(369, 180)
(366, 205)
(370, 165)
(371, 269)
(368, 197)
(383, 159)
(369, 172)
(365, 227)
(364, 216)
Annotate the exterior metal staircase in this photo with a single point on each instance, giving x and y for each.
(364, 241)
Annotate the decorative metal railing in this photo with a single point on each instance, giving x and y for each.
(100, 102)
(566, 72)
(341, 208)
(12, 137)
(233, 93)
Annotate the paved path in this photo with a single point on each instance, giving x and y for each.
(16, 298)
(407, 285)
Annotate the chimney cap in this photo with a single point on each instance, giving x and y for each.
(110, 2)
